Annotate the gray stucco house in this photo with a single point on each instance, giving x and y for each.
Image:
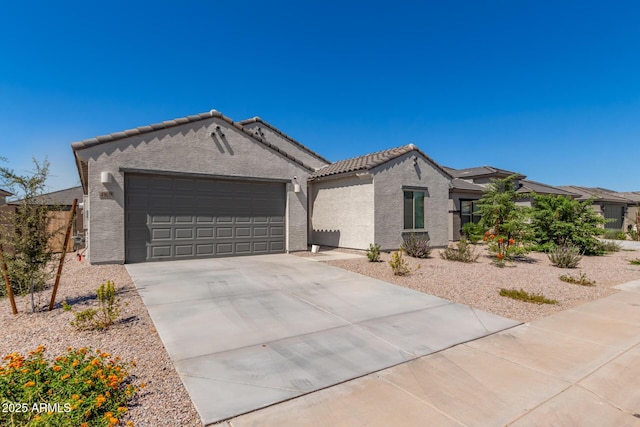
(206, 186)
(468, 185)
(380, 197)
(197, 186)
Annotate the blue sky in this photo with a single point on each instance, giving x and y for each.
(550, 89)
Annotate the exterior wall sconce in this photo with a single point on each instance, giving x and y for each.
(106, 178)
(296, 186)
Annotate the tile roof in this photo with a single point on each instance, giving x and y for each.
(90, 142)
(597, 194)
(540, 188)
(461, 184)
(61, 197)
(480, 171)
(4, 193)
(631, 195)
(369, 161)
(284, 135)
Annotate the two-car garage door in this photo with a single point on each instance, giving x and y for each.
(169, 218)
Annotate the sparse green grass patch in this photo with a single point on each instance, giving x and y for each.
(578, 280)
(522, 295)
(635, 261)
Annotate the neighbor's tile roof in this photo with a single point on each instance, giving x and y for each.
(461, 184)
(480, 171)
(60, 198)
(540, 188)
(631, 195)
(369, 161)
(4, 193)
(595, 193)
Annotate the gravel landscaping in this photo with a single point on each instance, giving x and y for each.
(478, 284)
(165, 402)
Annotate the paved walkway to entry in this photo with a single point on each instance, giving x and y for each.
(249, 332)
(580, 367)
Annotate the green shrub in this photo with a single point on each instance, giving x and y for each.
(607, 247)
(615, 235)
(416, 246)
(522, 295)
(80, 388)
(559, 221)
(633, 235)
(399, 265)
(464, 252)
(373, 253)
(106, 314)
(473, 232)
(565, 257)
(500, 212)
(578, 280)
(635, 261)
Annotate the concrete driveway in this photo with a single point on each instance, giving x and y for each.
(248, 332)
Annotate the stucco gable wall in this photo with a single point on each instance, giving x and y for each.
(342, 212)
(284, 144)
(189, 148)
(389, 180)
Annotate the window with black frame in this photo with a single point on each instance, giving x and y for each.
(469, 212)
(413, 210)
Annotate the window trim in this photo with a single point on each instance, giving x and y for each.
(414, 191)
(473, 213)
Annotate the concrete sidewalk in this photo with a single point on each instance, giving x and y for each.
(580, 367)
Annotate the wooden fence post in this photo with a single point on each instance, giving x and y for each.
(7, 282)
(64, 253)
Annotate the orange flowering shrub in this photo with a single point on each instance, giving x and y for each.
(79, 388)
(501, 247)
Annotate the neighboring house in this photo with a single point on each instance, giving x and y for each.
(380, 197)
(3, 196)
(632, 218)
(607, 203)
(60, 202)
(468, 185)
(194, 187)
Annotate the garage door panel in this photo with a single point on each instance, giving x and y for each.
(204, 250)
(277, 246)
(183, 250)
(260, 231)
(222, 232)
(224, 248)
(161, 251)
(179, 218)
(243, 248)
(276, 231)
(243, 232)
(204, 233)
(184, 233)
(161, 219)
(261, 247)
(161, 234)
